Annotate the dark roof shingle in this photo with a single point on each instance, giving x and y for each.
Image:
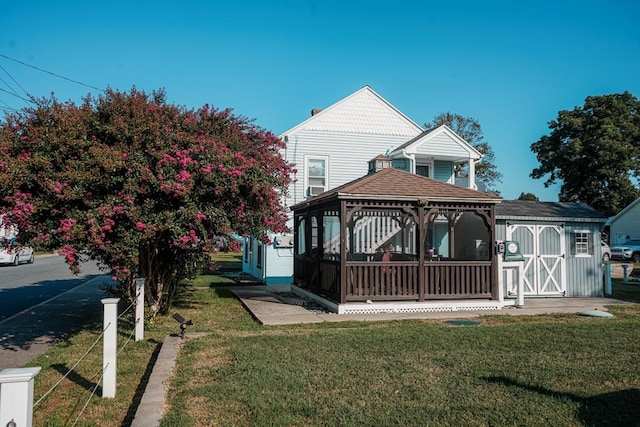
(531, 208)
(396, 184)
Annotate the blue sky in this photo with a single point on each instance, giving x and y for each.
(511, 65)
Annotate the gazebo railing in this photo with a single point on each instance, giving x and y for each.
(381, 281)
(457, 279)
(395, 280)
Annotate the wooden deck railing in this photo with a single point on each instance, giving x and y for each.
(457, 279)
(382, 281)
(393, 281)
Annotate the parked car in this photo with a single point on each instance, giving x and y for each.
(606, 252)
(12, 252)
(628, 251)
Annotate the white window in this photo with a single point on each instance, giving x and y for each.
(582, 243)
(317, 179)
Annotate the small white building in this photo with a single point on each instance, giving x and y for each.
(625, 225)
(333, 147)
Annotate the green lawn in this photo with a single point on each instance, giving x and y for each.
(563, 370)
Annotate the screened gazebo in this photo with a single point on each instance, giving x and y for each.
(396, 236)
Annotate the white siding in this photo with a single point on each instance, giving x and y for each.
(442, 146)
(627, 224)
(348, 156)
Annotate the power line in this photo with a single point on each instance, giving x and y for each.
(17, 96)
(49, 72)
(14, 80)
(7, 106)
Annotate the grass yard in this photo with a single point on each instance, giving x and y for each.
(562, 370)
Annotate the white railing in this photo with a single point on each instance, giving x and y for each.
(369, 234)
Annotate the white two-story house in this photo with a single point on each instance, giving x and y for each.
(333, 147)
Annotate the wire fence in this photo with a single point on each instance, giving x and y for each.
(99, 374)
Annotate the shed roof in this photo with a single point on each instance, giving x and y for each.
(531, 209)
(394, 184)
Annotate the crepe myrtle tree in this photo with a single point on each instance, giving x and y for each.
(139, 185)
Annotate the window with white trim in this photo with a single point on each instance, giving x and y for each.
(582, 243)
(317, 177)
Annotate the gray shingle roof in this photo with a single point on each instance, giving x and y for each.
(529, 208)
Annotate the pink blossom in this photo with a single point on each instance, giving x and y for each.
(125, 155)
(140, 225)
(200, 216)
(183, 176)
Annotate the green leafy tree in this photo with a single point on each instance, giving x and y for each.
(595, 151)
(528, 196)
(469, 129)
(139, 185)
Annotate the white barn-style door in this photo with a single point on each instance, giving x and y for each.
(543, 247)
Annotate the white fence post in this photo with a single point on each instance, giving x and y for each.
(16, 396)
(110, 346)
(607, 280)
(139, 309)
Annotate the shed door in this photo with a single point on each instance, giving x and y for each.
(543, 248)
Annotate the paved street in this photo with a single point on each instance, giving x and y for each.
(26, 285)
(42, 303)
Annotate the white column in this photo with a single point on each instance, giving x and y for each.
(472, 175)
(16, 396)
(139, 309)
(110, 346)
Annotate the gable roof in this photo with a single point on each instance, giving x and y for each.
(364, 111)
(394, 184)
(623, 211)
(558, 211)
(457, 143)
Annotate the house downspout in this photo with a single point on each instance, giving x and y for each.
(412, 160)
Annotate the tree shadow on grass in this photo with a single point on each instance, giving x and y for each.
(618, 408)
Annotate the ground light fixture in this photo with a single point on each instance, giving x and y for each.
(183, 323)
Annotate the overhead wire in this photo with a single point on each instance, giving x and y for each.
(16, 95)
(50, 72)
(14, 80)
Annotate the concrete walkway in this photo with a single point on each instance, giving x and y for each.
(269, 308)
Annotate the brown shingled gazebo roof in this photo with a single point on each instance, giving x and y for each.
(394, 184)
